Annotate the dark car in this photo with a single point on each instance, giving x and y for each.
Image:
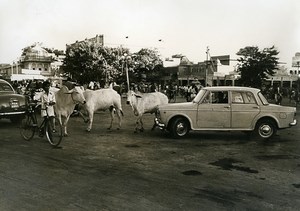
(12, 105)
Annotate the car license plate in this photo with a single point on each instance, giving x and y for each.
(14, 105)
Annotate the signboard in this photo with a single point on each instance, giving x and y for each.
(224, 60)
(31, 72)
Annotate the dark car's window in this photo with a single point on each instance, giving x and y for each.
(5, 88)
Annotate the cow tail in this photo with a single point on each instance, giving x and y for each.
(121, 112)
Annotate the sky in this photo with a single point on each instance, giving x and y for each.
(186, 27)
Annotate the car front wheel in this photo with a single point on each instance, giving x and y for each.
(179, 127)
(266, 129)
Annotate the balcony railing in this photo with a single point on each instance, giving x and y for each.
(36, 59)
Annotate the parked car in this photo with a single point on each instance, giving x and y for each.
(226, 108)
(12, 105)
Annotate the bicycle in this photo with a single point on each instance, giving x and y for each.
(29, 126)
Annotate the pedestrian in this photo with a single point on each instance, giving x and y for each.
(278, 95)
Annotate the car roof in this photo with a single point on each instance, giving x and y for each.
(231, 88)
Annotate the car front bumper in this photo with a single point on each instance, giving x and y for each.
(12, 113)
(159, 124)
(293, 123)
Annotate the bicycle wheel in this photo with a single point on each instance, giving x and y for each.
(27, 128)
(54, 134)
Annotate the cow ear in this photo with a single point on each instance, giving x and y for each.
(138, 96)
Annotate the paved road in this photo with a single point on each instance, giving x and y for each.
(120, 170)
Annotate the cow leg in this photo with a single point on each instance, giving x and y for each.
(153, 127)
(112, 116)
(65, 125)
(91, 118)
(119, 118)
(137, 125)
(142, 124)
(83, 117)
(59, 117)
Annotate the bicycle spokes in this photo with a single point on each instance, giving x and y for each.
(27, 128)
(54, 133)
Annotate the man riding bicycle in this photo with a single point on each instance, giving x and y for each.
(47, 99)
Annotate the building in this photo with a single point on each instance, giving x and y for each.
(36, 62)
(98, 39)
(295, 69)
(183, 72)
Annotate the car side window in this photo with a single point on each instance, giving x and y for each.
(219, 97)
(249, 98)
(5, 87)
(243, 98)
(237, 97)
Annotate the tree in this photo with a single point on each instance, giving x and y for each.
(256, 65)
(89, 61)
(147, 63)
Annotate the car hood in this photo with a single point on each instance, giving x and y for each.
(176, 106)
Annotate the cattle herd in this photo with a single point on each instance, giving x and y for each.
(90, 101)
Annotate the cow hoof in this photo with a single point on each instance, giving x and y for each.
(142, 130)
(86, 121)
(66, 135)
(118, 128)
(88, 130)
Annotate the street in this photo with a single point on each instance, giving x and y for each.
(122, 170)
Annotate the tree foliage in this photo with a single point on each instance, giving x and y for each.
(88, 61)
(256, 65)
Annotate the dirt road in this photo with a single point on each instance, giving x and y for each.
(120, 170)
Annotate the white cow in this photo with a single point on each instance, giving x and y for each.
(103, 99)
(145, 103)
(66, 101)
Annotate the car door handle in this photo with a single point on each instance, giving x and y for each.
(227, 106)
(255, 107)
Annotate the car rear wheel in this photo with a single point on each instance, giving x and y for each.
(179, 127)
(266, 129)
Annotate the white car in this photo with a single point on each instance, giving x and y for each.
(226, 108)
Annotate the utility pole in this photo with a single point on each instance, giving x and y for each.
(206, 68)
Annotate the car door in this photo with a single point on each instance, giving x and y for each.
(214, 112)
(244, 109)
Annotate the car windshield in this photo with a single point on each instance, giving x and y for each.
(199, 96)
(263, 99)
(5, 88)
